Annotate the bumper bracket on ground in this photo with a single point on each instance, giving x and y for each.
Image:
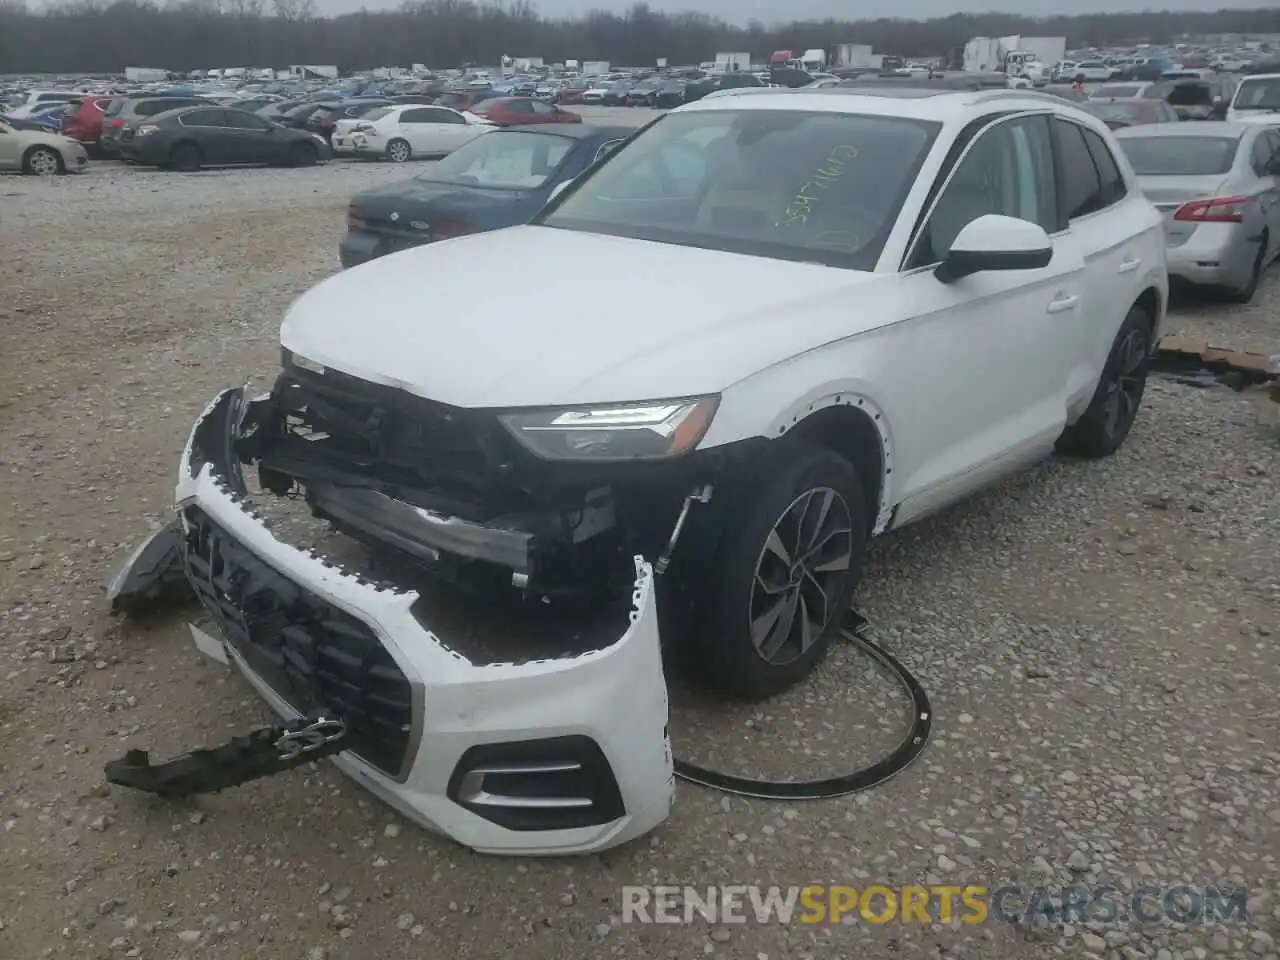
(258, 754)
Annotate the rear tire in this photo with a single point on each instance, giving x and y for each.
(1114, 407)
(303, 155)
(186, 157)
(43, 162)
(783, 575)
(398, 151)
(1246, 293)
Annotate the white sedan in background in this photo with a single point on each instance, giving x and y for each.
(409, 130)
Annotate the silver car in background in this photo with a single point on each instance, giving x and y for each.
(1218, 186)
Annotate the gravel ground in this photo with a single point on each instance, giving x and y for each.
(1098, 640)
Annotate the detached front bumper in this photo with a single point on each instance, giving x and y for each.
(547, 757)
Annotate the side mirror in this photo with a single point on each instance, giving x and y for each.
(994, 242)
(559, 188)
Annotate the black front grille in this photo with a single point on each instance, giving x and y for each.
(392, 435)
(309, 652)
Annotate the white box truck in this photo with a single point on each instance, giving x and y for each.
(732, 62)
(854, 55)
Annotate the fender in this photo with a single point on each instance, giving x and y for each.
(850, 393)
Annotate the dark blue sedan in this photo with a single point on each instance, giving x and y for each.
(499, 179)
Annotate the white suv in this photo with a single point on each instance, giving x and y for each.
(763, 331)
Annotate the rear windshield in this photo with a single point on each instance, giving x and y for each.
(504, 160)
(1118, 90)
(378, 114)
(1132, 113)
(1260, 94)
(1179, 156)
(149, 108)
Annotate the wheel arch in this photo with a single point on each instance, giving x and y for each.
(185, 142)
(1153, 301)
(26, 154)
(854, 426)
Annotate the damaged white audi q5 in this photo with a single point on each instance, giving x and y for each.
(763, 331)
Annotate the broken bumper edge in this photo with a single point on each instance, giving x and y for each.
(481, 735)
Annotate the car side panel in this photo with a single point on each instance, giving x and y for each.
(1122, 244)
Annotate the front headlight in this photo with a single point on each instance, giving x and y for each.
(652, 430)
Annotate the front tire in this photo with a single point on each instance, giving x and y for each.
(783, 575)
(43, 162)
(1114, 407)
(398, 151)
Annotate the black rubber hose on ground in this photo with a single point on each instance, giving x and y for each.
(853, 628)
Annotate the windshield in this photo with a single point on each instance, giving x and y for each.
(503, 160)
(1179, 156)
(793, 185)
(1260, 94)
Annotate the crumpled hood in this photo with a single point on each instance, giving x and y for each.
(532, 316)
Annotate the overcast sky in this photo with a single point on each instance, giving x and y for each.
(772, 11)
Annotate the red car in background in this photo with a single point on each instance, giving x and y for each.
(518, 111)
(83, 122)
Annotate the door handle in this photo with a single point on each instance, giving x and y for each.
(1130, 265)
(1063, 304)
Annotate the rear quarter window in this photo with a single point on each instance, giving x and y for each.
(1111, 180)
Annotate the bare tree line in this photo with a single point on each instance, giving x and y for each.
(94, 36)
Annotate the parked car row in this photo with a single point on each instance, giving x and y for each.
(1217, 185)
(499, 180)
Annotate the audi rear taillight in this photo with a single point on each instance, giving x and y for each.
(116, 123)
(1213, 210)
(355, 218)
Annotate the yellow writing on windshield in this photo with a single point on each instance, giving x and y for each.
(827, 175)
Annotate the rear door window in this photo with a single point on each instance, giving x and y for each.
(437, 115)
(239, 120)
(149, 108)
(1111, 181)
(1079, 186)
(203, 118)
